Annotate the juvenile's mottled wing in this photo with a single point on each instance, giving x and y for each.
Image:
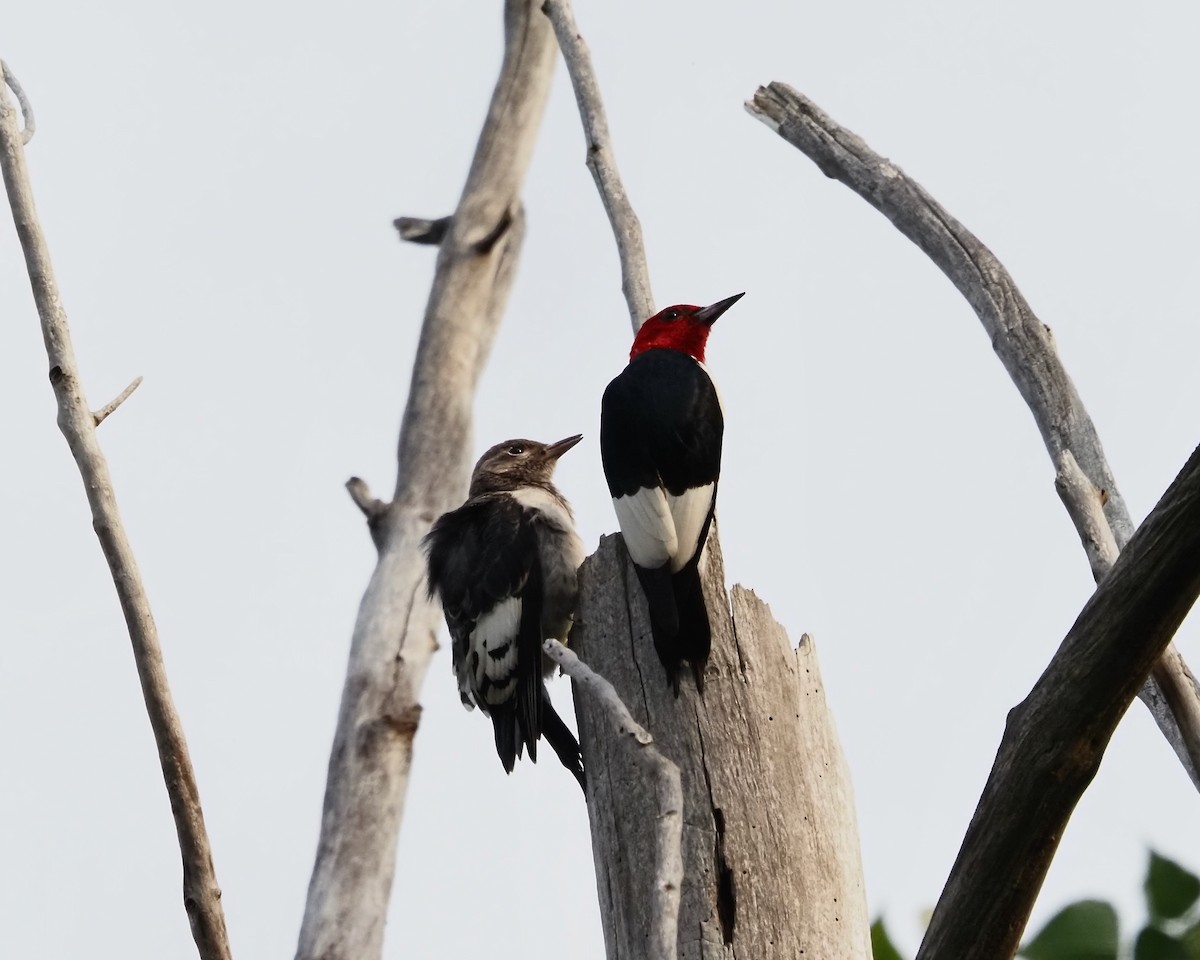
(483, 564)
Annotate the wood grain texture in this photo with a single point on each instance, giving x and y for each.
(664, 871)
(201, 893)
(770, 845)
(1055, 738)
(1023, 343)
(394, 635)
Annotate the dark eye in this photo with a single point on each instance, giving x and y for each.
(671, 315)
(516, 450)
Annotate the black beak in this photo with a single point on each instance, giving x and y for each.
(556, 450)
(708, 316)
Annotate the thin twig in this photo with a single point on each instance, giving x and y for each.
(360, 493)
(106, 411)
(669, 794)
(599, 688)
(418, 230)
(1022, 342)
(635, 276)
(201, 895)
(374, 509)
(14, 85)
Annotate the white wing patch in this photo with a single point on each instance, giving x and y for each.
(648, 526)
(493, 652)
(463, 673)
(689, 511)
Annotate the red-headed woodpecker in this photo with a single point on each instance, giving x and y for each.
(661, 427)
(505, 565)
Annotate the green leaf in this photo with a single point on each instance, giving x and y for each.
(1153, 944)
(1086, 930)
(1171, 891)
(881, 944)
(1191, 941)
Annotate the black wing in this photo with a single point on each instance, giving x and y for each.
(481, 556)
(661, 424)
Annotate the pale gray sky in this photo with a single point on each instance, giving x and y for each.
(217, 183)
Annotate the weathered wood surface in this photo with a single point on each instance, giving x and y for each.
(1022, 342)
(772, 866)
(394, 635)
(1055, 738)
(666, 862)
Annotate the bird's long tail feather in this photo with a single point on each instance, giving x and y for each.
(694, 641)
(561, 740)
(664, 618)
(508, 736)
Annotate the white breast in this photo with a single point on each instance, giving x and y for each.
(561, 552)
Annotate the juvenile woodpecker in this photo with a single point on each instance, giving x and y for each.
(505, 565)
(661, 427)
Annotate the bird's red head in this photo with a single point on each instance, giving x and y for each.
(682, 327)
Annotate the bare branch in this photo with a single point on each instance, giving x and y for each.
(1055, 738)
(1085, 504)
(668, 874)
(14, 85)
(1177, 686)
(417, 230)
(395, 633)
(601, 690)
(1022, 342)
(373, 509)
(360, 493)
(635, 276)
(105, 411)
(201, 894)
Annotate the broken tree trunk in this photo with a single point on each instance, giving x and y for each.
(770, 844)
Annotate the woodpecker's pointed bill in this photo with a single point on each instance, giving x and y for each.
(661, 429)
(505, 566)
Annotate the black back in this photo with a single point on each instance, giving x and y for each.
(661, 424)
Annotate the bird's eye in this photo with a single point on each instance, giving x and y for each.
(516, 450)
(671, 315)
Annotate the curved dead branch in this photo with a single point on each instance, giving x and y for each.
(1022, 342)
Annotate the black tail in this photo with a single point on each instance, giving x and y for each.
(518, 722)
(508, 735)
(659, 589)
(561, 740)
(678, 620)
(695, 632)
